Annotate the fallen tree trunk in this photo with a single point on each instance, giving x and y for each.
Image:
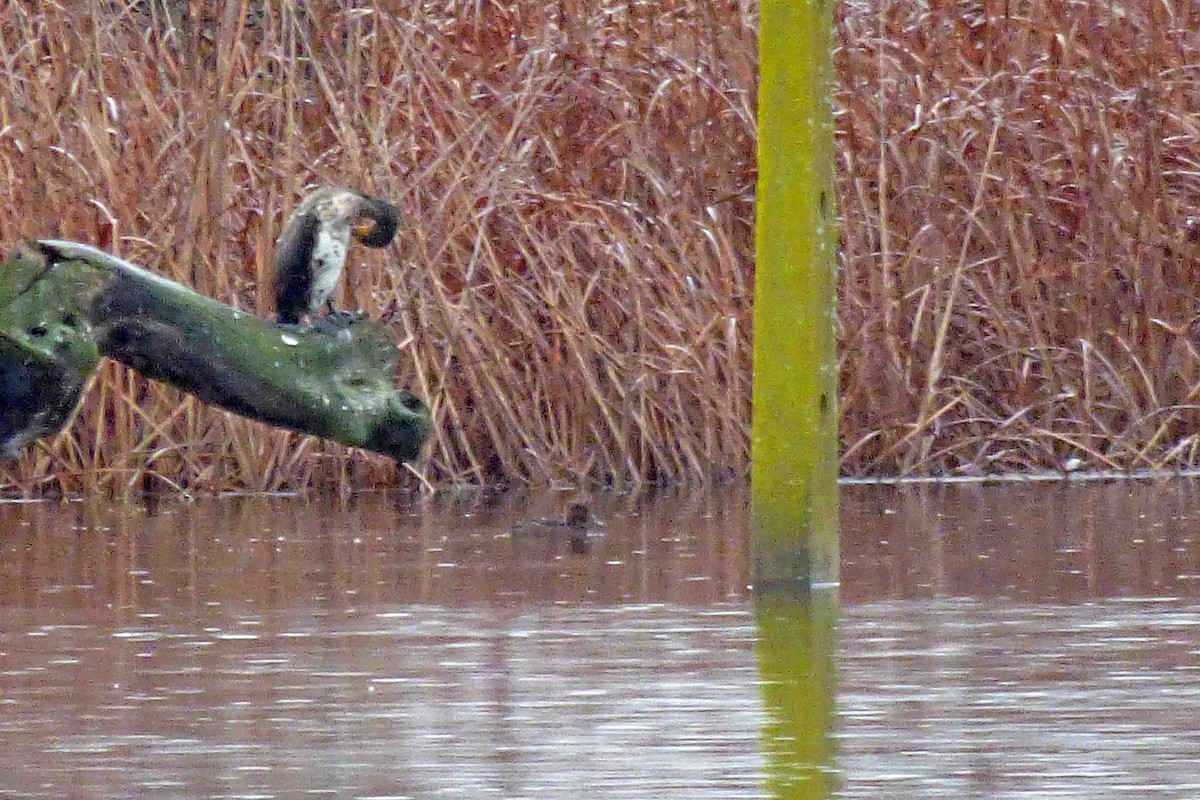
(63, 304)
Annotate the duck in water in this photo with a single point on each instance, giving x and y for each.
(311, 251)
(573, 527)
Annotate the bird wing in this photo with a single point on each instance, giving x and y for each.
(293, 274)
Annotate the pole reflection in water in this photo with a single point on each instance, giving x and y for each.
(795, 650)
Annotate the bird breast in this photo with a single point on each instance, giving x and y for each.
(329, 256)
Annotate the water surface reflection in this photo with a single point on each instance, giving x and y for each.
(1021, 641)
(275, 648)
(1027, 641)
(1060, 542)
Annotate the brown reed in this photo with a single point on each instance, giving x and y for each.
(1018, 185)
(573, 287)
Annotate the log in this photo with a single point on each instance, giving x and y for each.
(64, 304)
(47, 351)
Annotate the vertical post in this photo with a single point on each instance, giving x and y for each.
(794, 436)
(794, 448)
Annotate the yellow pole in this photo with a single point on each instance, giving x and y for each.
(794, 447)
(794, 475)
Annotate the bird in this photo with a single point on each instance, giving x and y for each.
(573, 527)
(311, 250)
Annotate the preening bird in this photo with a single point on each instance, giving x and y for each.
(311, 251)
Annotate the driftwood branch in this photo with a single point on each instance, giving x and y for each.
(64, 304)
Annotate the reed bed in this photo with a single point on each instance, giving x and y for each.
(1018, 187)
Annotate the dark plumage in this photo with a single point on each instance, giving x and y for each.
(311, 251)
(573, 526)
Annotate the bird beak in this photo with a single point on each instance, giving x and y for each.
(363, 227)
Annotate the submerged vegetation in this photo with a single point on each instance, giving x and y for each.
(1019, 187)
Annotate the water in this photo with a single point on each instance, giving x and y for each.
(1021, 642)
(998, 642)
(959, 698)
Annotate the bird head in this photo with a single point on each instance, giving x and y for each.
(577, 514)
(377, 224)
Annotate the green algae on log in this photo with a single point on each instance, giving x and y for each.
(64, 304)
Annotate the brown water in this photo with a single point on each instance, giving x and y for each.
(994, 642)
